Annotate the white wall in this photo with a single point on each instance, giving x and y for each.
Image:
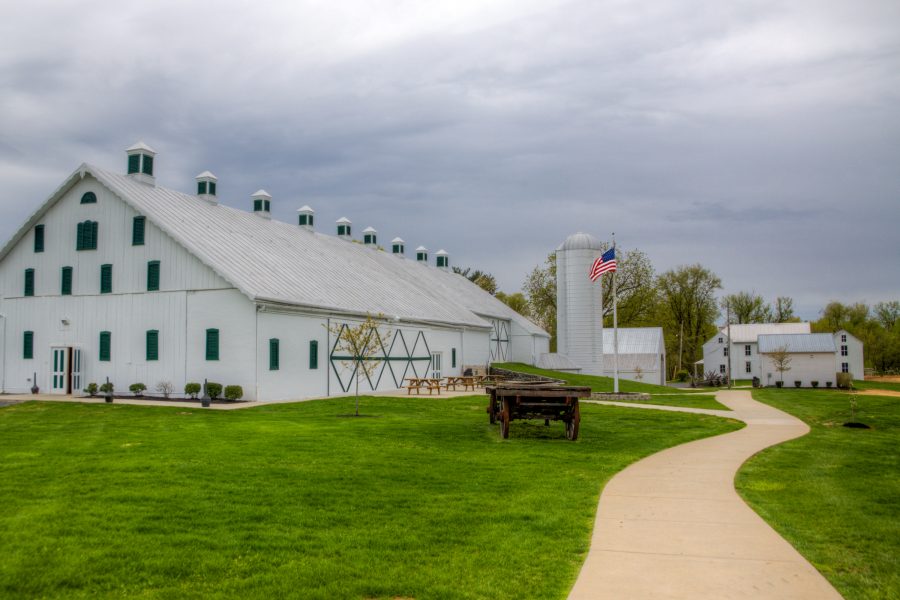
(804, 368)
(579, 328)
(854, 358)
(525, 347)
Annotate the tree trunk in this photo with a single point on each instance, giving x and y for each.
(357, 393)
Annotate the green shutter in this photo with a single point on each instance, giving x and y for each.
(28, 345)
(453, 358)
(137, 231)
(212, 344)
(268, 204)
(153, 276)
(301, 220)
(314, 354)
(105, 279)
(66, 285)
(148, 165)
(38, 238)
(105, 345)
(201, 187)
(94, 228)
(257, 205)
(153, 345)
(273, 354)
(134, 163)
(79, 237)
(29, 282)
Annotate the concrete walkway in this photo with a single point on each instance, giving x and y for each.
(672, 526)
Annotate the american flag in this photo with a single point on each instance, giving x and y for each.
(604, 264)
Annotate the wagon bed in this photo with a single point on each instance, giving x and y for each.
(548, 401)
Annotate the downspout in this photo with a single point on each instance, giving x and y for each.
(256, 348)
(3, 366)
(184, 371)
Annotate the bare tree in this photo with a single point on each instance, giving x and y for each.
(359, 346)
(781, 360)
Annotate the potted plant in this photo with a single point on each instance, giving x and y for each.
(233, 392)
(796, 383)
(213, 391)
(828, 384)
(815, 384)
(137, 389)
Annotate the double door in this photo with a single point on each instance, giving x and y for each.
(66, 374)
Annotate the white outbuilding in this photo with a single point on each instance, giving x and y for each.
(114, 276)
(811, 359)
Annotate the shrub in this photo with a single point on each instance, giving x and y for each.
(682, 376)
(844, 380)
(137, 389)
(91, 389)
(213, 389)
(828, 384)
(796, 383)
(165, 388)
(779, 384)
(815, 384)
(107, 387)
(234, 392)
(192, 389)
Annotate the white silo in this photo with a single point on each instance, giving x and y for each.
(579, 305)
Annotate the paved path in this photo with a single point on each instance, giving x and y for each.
(672, 526)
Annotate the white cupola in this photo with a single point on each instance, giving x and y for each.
(398, 246)
(306, 217)
(206, 186)
(140, 162)
(422, 254)
(262, 204)
(443, 259)
(370, 236)
(344, 228)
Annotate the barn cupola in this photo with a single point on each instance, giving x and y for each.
(262, 204)
(206, 186)
(344, 228)
(306, 217)
(140, 162)
(370, 236)
(422, 254)
(398, 246)
(443, 259)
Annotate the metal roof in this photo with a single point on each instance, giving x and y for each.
(556, 362)
(748, 332)
(796, 342)
(580, 241)
(634, 340)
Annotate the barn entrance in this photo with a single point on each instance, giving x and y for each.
(66, 375)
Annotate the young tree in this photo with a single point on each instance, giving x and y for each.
(781, 360)
(540, 289)
(482, 279)
(784, 310)
(687, 299)
(360, 345)
(516, 301)
(748, 307)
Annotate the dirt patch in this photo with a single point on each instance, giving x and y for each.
(892, 393)
(887, 378)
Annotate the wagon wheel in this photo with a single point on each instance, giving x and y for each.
(573, 422)
(504, 420)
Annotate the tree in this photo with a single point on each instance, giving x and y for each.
(359, 345)
(687, 299)
(540, 289)
(781, 360)
(748, 307)
(837, 316)
(482, 279)
(518, 302)
(784, 310)
(887, 314)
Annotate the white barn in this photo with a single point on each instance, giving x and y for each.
(642, 354)
(811, 359)
(848, 354)
(114, 276)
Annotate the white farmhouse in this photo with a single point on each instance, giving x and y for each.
(743, 349)
(848, 354)
(115, 276)
(811, 359)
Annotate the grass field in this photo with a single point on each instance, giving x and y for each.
(596, 383)
(420, 500)
(835, 493)
(876, 385)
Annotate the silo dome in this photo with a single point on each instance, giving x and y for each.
(580, 241)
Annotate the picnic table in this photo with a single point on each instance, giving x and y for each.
(419, 383)
(509, 401)
(466, 381)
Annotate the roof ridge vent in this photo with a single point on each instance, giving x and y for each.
(206, 187)
(344, 228)
(140, 163)
(422, 254)
(306, 217)
(370, 236)
(262, 204)
(398, 246)
(443, 259)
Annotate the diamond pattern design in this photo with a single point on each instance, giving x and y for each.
(396, 358)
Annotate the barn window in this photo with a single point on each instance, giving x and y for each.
(105, 279)
(747, 350)
(273, 354)
(86, 237)
(39, 240)
(134, 163)
(313, 354)
(725, 350)
(105, 345)
(66, 284)
(29, 282)
(720, 340)
(153, 276)
(137, 231)
(845, 367)
(202, 187)
(843, 336)
(212, 344)
(721, 368)
(147, 165)
(843, 350)
(153, 344)
(747, 367)
(89, 198)
(28, 345)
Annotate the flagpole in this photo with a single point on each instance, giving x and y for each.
(615, 326)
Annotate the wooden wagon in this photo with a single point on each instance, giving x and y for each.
(547, 401)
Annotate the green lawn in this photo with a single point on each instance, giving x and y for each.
(688, 400)
(876, 385)
(423, 500)
(596, 383)
(835, 493)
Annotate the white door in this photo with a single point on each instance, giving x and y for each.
(76, 370)
(436, 365)
(60, 369)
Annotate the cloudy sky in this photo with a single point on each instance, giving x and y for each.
(761, 139)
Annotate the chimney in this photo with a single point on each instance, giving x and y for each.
(443, 259)
(422, 254)
(370, 236)
(343, 228)
(206, 187)
(305, 217)
(397, 246)
(140, 163)
(262, 204)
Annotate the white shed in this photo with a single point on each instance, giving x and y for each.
(811, 359)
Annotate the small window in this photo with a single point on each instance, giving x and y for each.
(105, 279)
(212, 344)
(86, 237)
(267, 205)
(343, 230)
(153, 276)
(257, 205)
(29, 282)
(28, 345)
(725, 350)
(453, 358)
(39, 239)
(843, 336)
(747, 367)
(369, 238)
(212, 188)
(134, 163)
(397, 248)
(153, 345)
(314, 354)
(844, 351)
(66, 284)
(137, 231)
(273, 354)
(89, 198)
(747, 350)
(147, 165)
(305, 220)
(201, 187)
(720, 340)
(105, 345)
(721, 368)
(845, 367)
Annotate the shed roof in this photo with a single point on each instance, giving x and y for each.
(748, 332)
(796, 343)
(634, 340)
